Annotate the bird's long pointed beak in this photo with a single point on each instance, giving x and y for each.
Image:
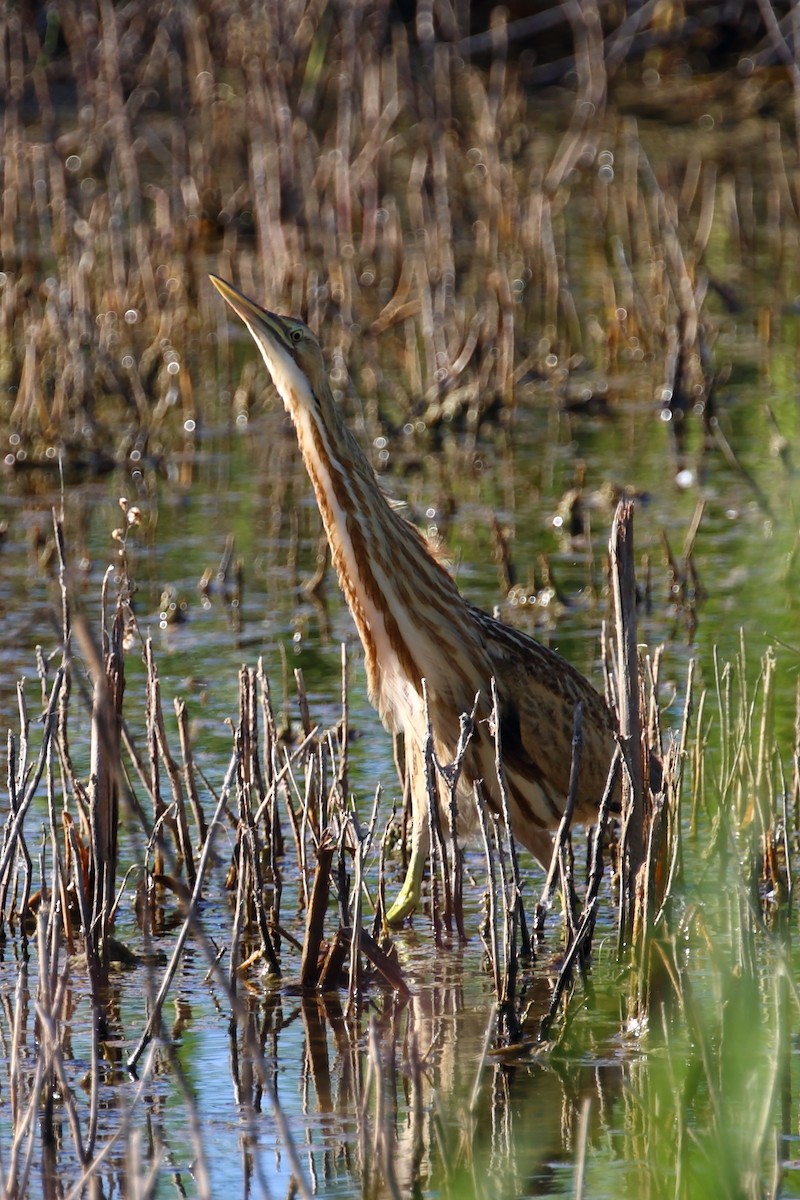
(260, 321)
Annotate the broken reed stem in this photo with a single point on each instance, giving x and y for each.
(108, 671)
(302, 699)
(436, 842)
(297, 832)
(579, 948)
(557, 860)
(354, 984)
(24, 729)
(59, 897)
(315, 914)
(329, 976)
(269, 808)
(175, 815)
(491, 916)
(154, 789)
(239, 923)
(14, 825)
(515, 911)
(671, 801)
(181, 825)
(248, 779)
(187, 754)
(509, 974)
(566, 857)
(362, 844)
(626, 662)
(380, 906)
(456, 868)
(344, 733)
(50, 1045)
(452, 775)
(12, 776)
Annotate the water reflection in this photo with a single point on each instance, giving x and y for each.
(403, 1096)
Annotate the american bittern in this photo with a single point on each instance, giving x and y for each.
(415, 625)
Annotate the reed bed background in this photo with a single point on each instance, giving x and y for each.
(482, 224)
(364, 173)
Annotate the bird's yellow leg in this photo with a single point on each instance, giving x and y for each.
(408, 899)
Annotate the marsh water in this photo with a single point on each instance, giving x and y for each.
(522, 495)
(239, 488)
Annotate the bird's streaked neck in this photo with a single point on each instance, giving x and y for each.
(394, 588)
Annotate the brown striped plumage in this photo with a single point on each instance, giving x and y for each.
(415, 625)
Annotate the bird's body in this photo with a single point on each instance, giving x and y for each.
(415, 625)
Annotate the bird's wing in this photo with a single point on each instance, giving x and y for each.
(537, 693)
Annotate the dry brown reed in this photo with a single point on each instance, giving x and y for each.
(421, 199)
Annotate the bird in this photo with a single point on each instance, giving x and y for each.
(430, 654)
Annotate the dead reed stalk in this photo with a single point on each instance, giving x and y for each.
(635, 806)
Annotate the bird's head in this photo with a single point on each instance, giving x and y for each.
(290, 350)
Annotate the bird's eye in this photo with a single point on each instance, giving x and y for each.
(296, 335)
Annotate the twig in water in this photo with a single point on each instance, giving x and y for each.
(315, 913)
(633, 847)
(578, 948)
(451, 774)
(557, 862)
(517, 910)
(435, 838)
(15, 826)
(494, 953)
